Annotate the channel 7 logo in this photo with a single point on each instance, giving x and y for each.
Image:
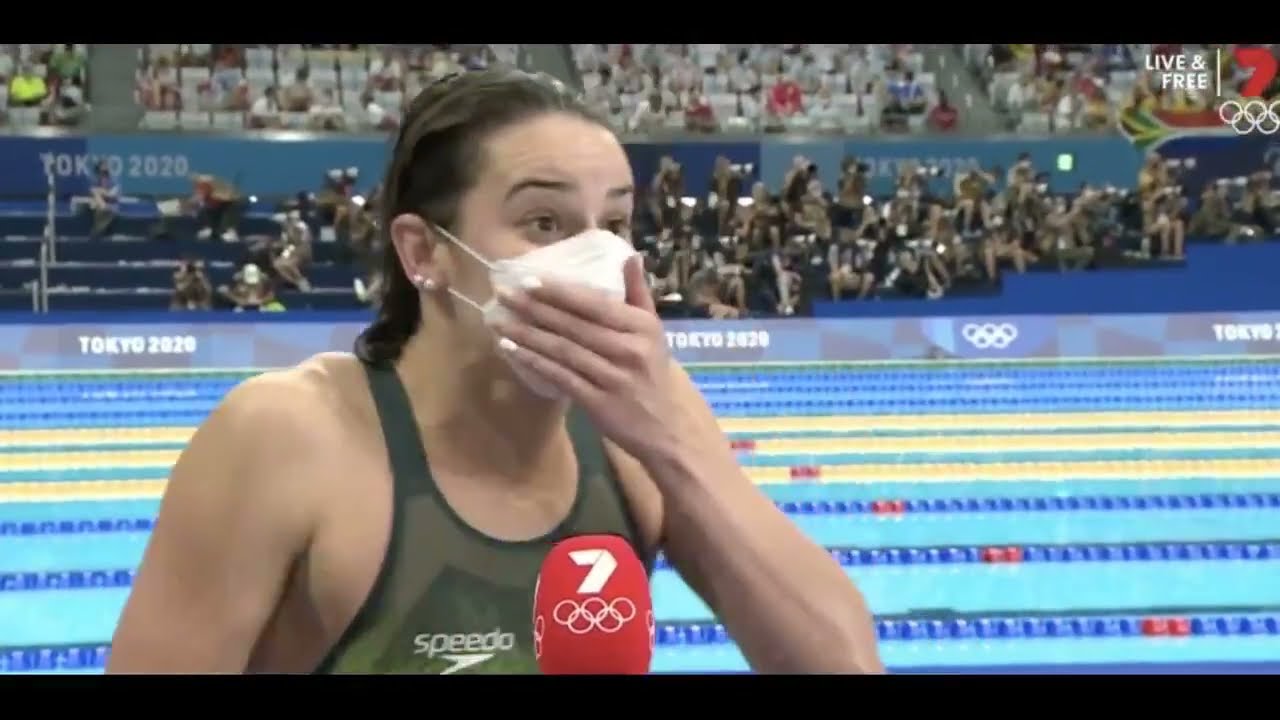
(1253, 114)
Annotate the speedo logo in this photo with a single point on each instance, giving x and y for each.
(463, 650)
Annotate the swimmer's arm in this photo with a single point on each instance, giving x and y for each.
(223, 544)
(786, 602)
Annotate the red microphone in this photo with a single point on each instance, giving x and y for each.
(592, 611)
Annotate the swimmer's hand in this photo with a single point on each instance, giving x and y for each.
(609, 357)
(789, 606)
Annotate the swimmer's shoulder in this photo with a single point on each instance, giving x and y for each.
(305, 409)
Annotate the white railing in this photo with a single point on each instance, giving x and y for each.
(43, 284)
(50, 214)
(48, 249)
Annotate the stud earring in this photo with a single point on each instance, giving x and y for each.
(423, 283)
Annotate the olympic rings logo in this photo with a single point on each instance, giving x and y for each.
(594, 614)
(1250, 116)
(986, 336)
(539, 631)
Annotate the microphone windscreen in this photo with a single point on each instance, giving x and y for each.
(592, 609)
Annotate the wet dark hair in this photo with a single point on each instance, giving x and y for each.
(436, 160)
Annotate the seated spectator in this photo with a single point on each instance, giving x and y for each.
(294, 251)
(227, 73)
(914, 276)
(441, 65)
(648, 116)
(893, 118)
(1096, 113)
(766, 219)
(250, 289)
(1255, 213)
(218, 207)
(744, 78)
(66, 64)
(104, 200)
(191, 287)
(749, 106)
(908, 93)
(327, 114)
(1022, 94)
(1002, 244)
(333, 200)
(1115, 56)
(1141, 97)
(374, 116)
(265, 112)
(1060, 103)
(808, 75)
(602, 96)
(781, 274)
(813, 219)
(26, 88)
(369, 292)
(699, 116)
(850, 272)
(943, 117)
(238, 100)
(716, 288)
(414, 83)
(297, 97)
(785, 98)
(1066, 240)
(361, 230)
(158, 87)
(823, 111)
(385, 72)
(69, 106)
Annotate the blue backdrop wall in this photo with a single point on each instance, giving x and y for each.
(159, 164)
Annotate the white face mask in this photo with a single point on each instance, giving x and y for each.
(594, 258)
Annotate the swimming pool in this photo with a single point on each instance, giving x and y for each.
(995, 515)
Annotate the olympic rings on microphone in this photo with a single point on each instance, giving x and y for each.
(594, 614)
(539, 631)
(984, 336)
(1250, 116)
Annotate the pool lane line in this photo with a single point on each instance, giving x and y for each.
(997, 627)
(82, 490)
(35, 468)
(151, 488)
(1126, 362)
(938, 506)
(980, 440)
(1174, 551)
(90, 441)
(786, 425)
(1041, 553)
(179, 442)
(1146, 625)
(861, 473)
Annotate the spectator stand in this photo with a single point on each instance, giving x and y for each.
(51, 258)
(750, 89)
(754, 250)
(339, 88)
(43, 85)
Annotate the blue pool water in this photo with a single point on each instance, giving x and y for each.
(1185, 531)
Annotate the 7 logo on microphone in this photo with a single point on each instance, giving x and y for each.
(591, 597)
